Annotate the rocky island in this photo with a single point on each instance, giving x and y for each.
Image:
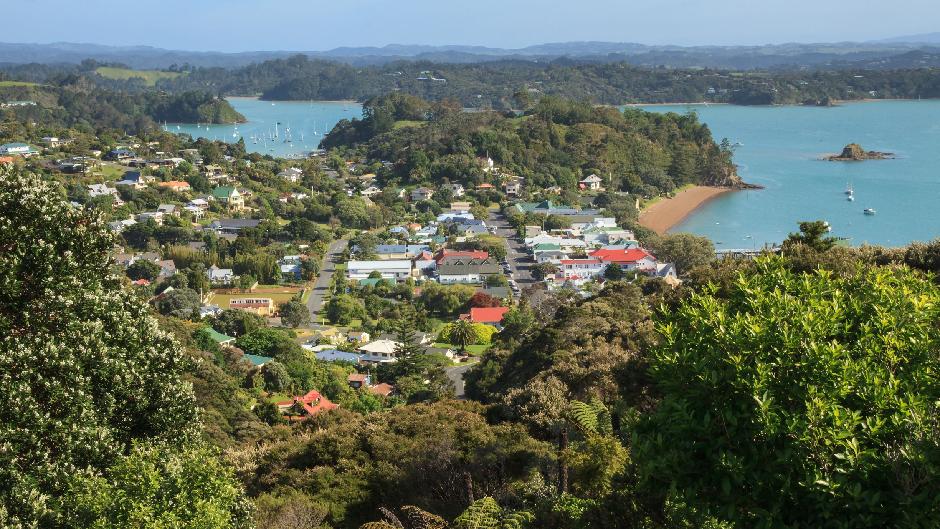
(854, 152)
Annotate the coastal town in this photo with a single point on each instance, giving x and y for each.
(203, 239)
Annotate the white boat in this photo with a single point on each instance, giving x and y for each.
(850, 198)
(869, 211)
(849, 191)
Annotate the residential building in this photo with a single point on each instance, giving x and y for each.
(421, 193)
(513, 187)
(467, 271)
(487, 315)
(230, 197)
(456, 190)
(168, 209)
(628, 259)
(219, 338)
(399, 270)
(379, 351)
(119, 155)
(167, 268)
(445, 254)
(220, 276)
(20, 149)
(572, 269)
(134, 179)
(259, 306)
(291, 174)
(591, 183)
(176, 185)
(371, 191)
(232, 226)
(358, 336)
(400, 251)
(303, 407)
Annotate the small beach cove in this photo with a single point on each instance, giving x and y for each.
(666, 213)
(781, 148)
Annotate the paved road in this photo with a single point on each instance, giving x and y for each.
(320, 288)
(517, 256)
(455, 374)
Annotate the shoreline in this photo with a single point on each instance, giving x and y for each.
(258, 98)
(670, 212)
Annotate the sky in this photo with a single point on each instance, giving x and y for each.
(310, 25)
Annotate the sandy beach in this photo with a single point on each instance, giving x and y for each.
(663, 215)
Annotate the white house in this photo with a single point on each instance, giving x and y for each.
(379, 351)
(16, 148)
(220, 276)
(291, 174)
(592, 182)
(456, 189)
(370, 191)
(399, 269)
(581, 268)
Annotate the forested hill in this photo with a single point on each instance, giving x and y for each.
(557, 142)
(497, 84)
(84, 105)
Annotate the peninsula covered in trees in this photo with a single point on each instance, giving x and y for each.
(556, 143)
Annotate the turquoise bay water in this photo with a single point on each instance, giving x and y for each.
(781, 148)
(308, 121)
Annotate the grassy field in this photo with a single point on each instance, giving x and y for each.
(17, 83)
(280, 295)
(475, 350)
(149, 76)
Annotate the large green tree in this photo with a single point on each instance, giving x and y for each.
(84, 370)
(800, 400)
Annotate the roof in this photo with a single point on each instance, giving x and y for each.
(335, 355)
(488, 314)
(223, 191)
(257, 360)
(470, 267)
(357, 377)
(174, 184)
(382, 389)
(379, 346)
(379, 265)
(475, 254)
(580, 261)
(219, 337)
(235, 223)
(631, 255)
(312, 402)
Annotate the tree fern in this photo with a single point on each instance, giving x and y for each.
(591, 418)
(484, 513)
(377, 525)
(421, 519)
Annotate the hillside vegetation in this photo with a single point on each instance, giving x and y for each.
(150, 77)
(556, 143)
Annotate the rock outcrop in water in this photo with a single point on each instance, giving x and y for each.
(854, 152)
(729, 177)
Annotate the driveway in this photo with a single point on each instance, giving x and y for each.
(322, 285)
(517, 255)
(455, 374)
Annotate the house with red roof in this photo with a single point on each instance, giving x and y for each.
(486, 315)
(628, 259)
(446, 255)
(305, 406)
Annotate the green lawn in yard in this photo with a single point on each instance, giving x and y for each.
(17, 83)
(406, 124)
(475, 350)
(150, 77)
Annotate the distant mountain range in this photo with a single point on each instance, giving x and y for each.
(846, 54)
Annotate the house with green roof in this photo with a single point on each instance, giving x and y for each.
(218, 337)
(229, 196)
(257, 360)
(21, 149)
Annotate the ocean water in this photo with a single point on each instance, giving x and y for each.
(781, 149)
(307, 121)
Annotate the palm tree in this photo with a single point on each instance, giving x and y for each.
(462, 334)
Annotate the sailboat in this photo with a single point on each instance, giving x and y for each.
(848, 190)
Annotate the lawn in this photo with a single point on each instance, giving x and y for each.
(149, 76)
(17, 83)
(475, 350)
(280, 294)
